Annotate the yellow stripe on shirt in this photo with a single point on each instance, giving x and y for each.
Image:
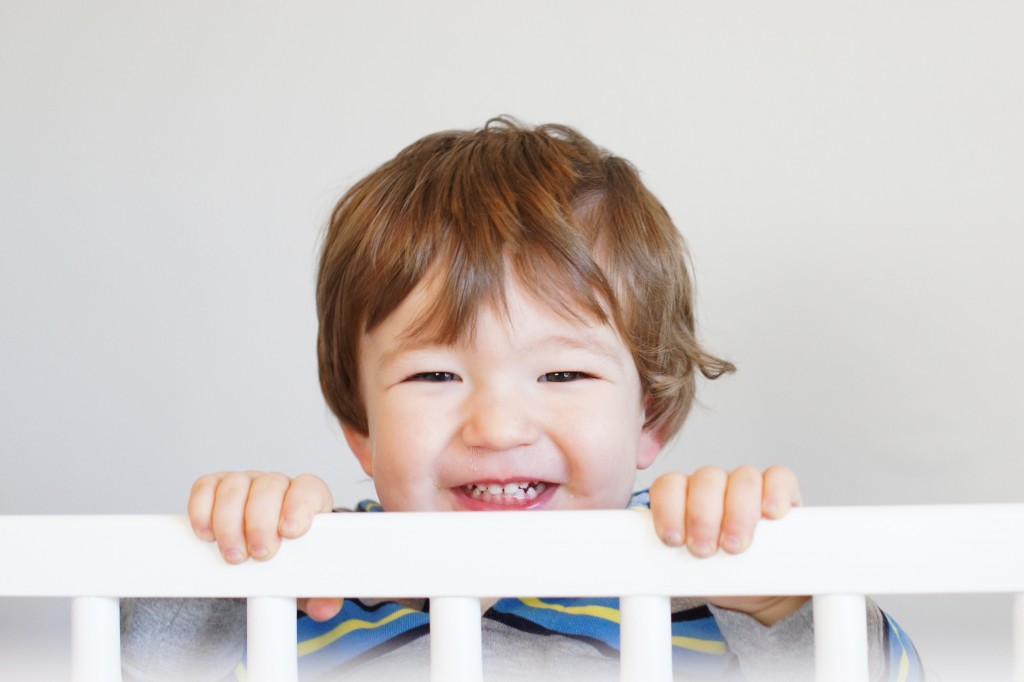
(707, 646)
(704, 646)
(602, 612)
(904, 667)
(319, 642)
(903, 673)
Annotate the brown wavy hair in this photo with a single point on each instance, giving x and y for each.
(572, 223)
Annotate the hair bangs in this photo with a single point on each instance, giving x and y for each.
(469, 275)
(491, 206)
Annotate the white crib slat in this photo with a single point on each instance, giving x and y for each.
(646, 639)
(840, 638)
(272, 635)
(95, 639)
(1018, 637)
(455, 646)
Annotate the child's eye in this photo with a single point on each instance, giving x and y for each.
(561, 377)
(434, 376)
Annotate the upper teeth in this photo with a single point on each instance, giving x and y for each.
(522, 490)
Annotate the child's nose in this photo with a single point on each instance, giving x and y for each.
(498, 421)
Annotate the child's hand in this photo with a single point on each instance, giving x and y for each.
(713, 508)
(249, 512)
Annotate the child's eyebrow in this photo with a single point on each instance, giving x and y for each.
(587, 344)
(410, 344)
(407, 344)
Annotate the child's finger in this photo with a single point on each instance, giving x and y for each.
(262, 511)
(229, 515)
(742, 509)
(307, 496)
(668, 507)
(200, 506)
(781, 492)
(705, 496)
(321, 608)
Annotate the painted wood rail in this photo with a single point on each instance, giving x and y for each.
(837, 554)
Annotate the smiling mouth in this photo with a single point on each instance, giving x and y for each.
(505, 493)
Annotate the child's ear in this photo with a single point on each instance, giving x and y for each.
(359, 442)
(651, 443)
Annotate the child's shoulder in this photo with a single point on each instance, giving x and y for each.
(641, 499)
(366, 506)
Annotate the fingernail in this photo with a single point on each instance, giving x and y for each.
(771, 508)
(701, 548)
(233, 555)
(258, 551)
(731, 543)
(289, 526)
(673, 538)
(204, 534)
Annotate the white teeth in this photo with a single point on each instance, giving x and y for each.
(510, 493)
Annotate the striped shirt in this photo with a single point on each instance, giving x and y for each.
(366, 630)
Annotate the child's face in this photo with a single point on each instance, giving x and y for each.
(547, 410)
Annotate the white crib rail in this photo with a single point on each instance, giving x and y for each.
(836, 554)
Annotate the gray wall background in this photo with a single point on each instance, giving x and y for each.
(848, 176)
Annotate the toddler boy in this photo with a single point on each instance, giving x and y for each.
(506, 323)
